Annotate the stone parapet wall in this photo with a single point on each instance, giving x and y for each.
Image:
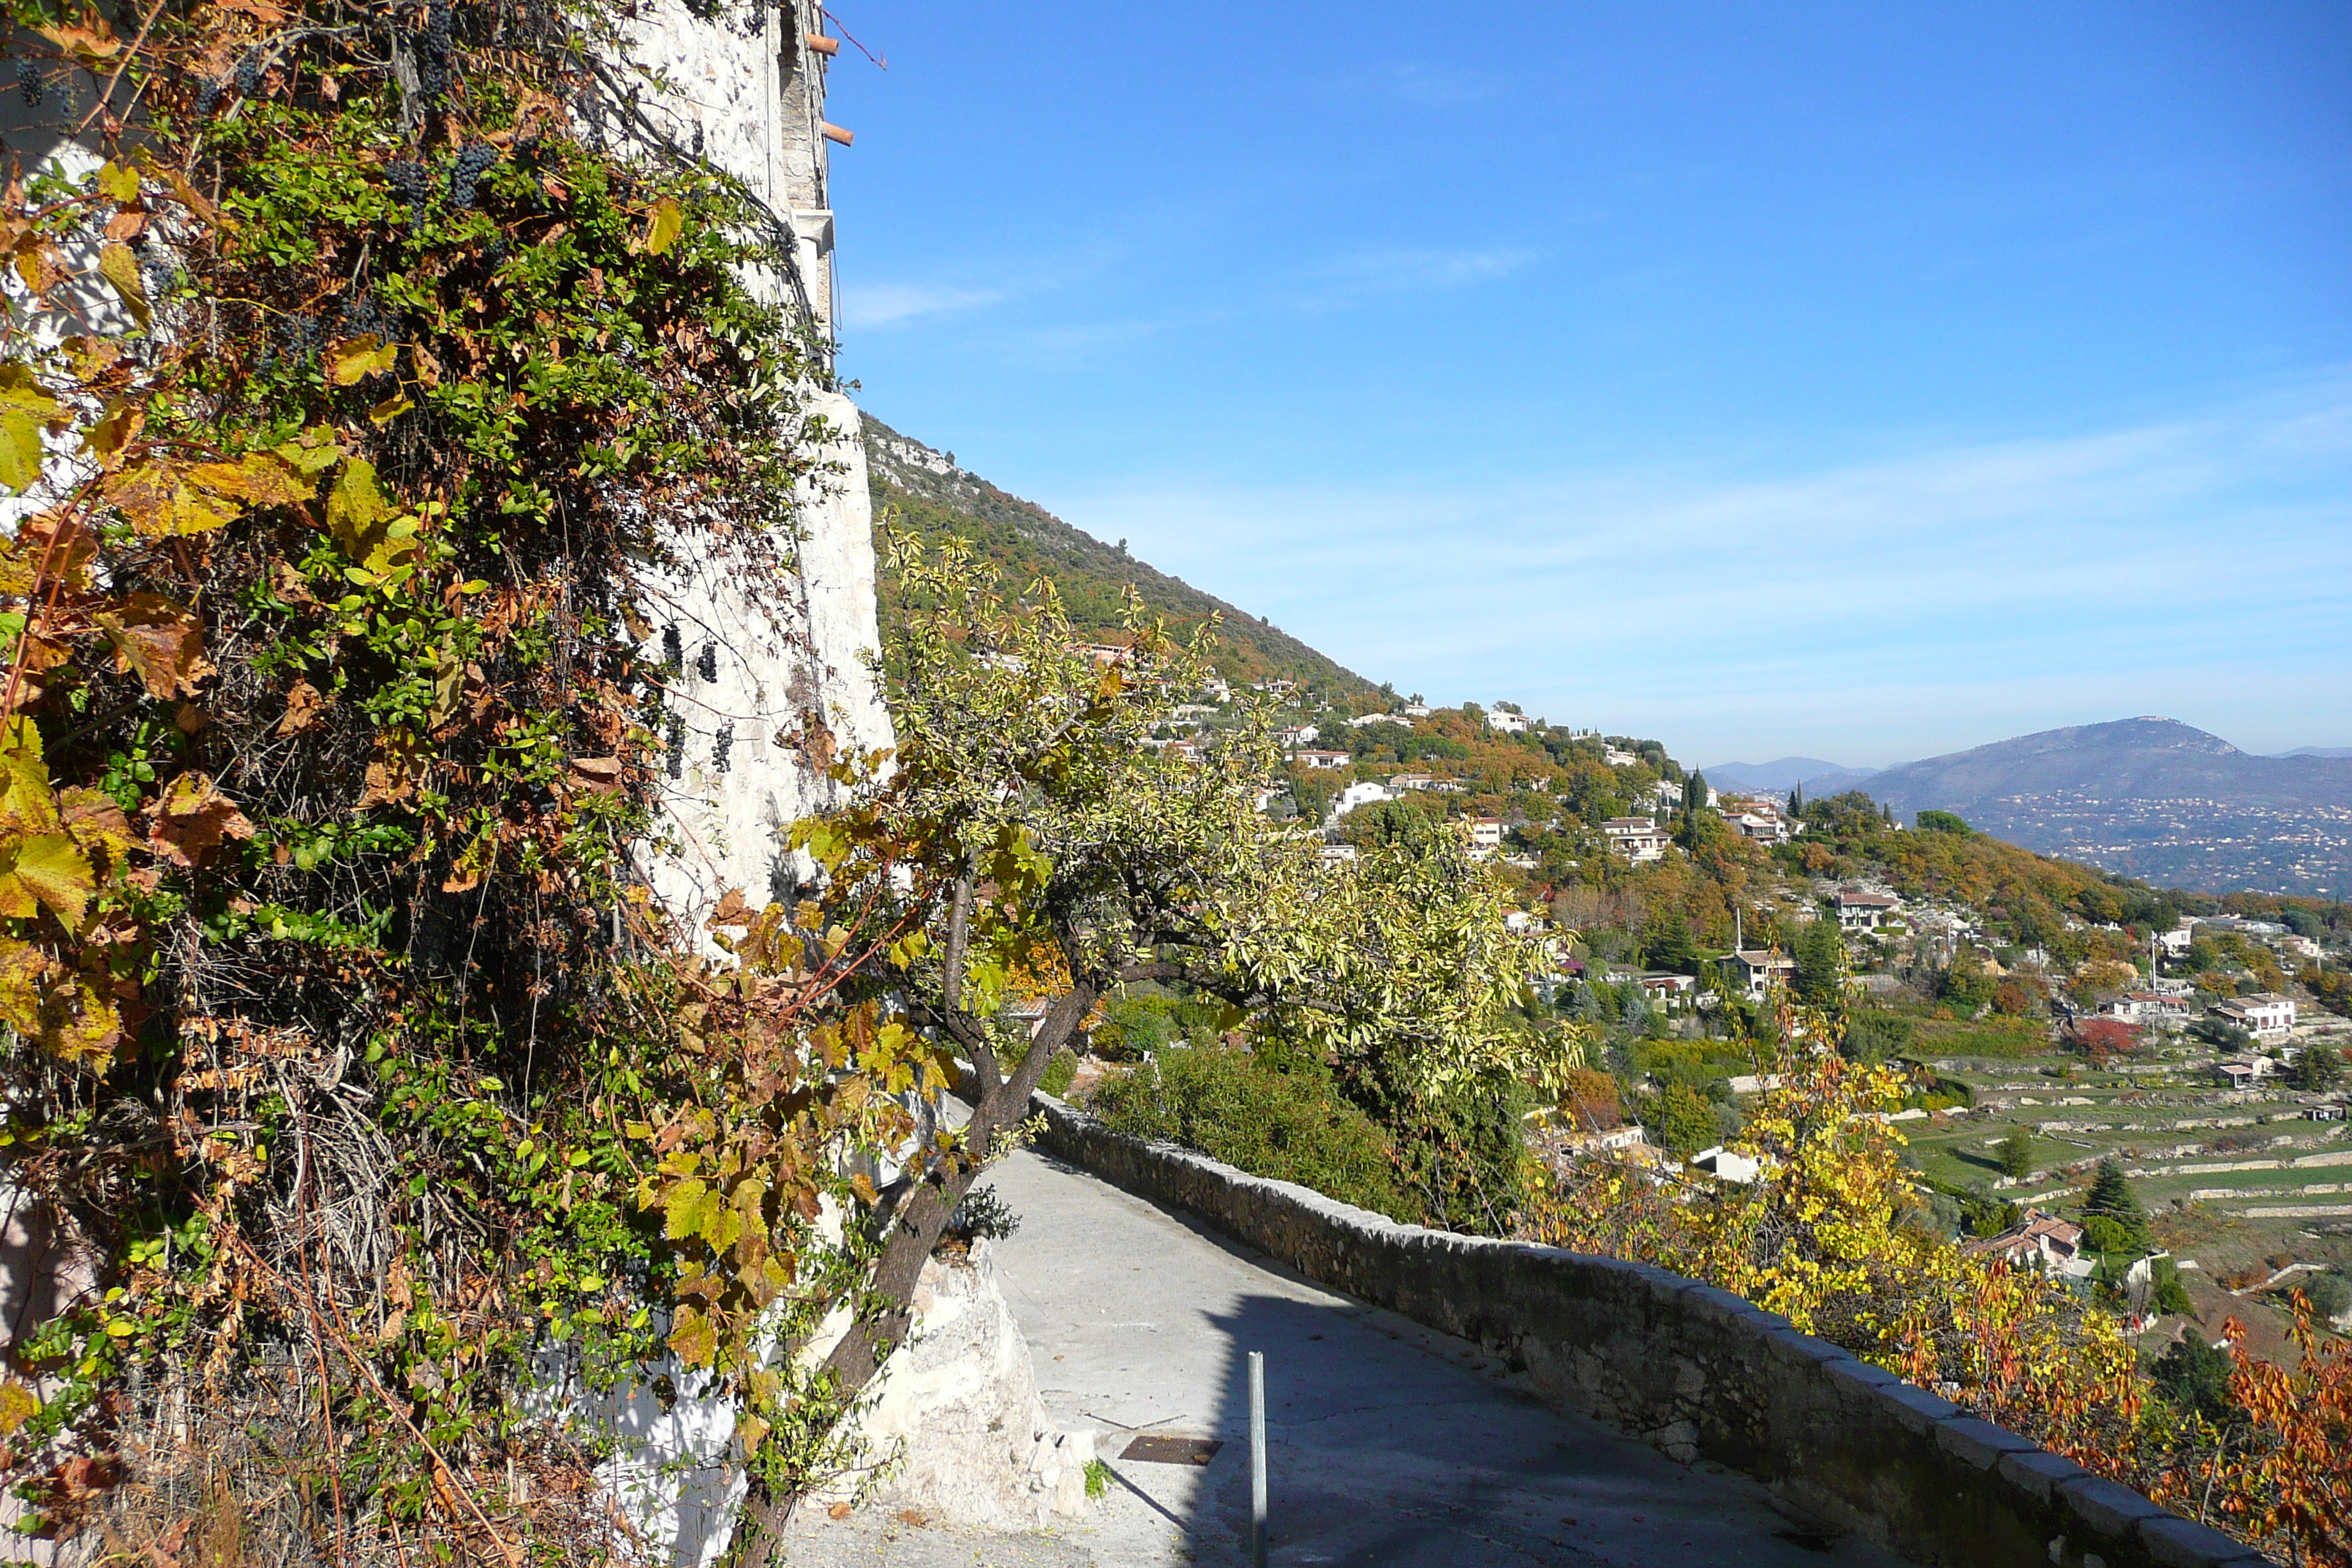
(1692, 1370)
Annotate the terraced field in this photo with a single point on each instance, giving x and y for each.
(2255, 1155)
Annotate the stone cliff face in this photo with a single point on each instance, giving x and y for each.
(772, 678)
(770, 688)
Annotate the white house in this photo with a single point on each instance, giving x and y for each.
(2265, 1014)
(2244, 1072)
(1761, 824)
(1724, 1165)
(1638, 839)
(1308, 757)
(1763, 970)
(1858, 911)
(1416, 710)
(2042, 1239)
(2148, 1007)
(1298, 736)
(2175, 941)
(1361, 719)
(1508, 724)
(1617, 759)
(1486, 832)
(1357, 794)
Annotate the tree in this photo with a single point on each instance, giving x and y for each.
(2110, 1198)
(1797, 800)
(1943, 822)
(1821, 960)
(2016, 1154)
(1682, 1120)
(2195, 1377)
(1024, 825)
(2317, 1068)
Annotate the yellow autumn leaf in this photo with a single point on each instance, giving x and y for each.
(19, 1405)
(24, 408)
(693, 1338)
(49, 867)
(354, 360)
(160, 506)
(262, 478)
(115, 429)
(20, 450)
(390, 408)
(89, 1030)
(752, 1429)
(120, 266)
(314, 459)
(119, 182)
(669, 222)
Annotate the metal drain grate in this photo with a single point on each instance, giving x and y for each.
(1172, 1451)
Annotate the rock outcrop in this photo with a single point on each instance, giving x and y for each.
(956, 1430)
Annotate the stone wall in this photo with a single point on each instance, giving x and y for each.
(1691, 1369)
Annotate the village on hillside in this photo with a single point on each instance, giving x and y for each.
(2058, 1022)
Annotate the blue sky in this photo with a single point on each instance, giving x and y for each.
(1862, 382)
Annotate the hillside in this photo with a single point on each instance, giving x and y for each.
(2151, 798)
(922, 491)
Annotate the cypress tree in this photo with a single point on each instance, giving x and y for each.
(2111, 1197)
(1796, 800)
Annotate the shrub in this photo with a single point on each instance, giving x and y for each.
(2329, 1294)
(1871, 1035)
(1290, 1126)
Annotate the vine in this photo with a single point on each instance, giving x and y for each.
(367, 366)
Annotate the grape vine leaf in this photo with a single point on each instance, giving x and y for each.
(45, 868)
(119, 265)
(161, 641)
(192, 817)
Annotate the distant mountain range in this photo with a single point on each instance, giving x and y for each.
(1778, 776)
(2152, 798)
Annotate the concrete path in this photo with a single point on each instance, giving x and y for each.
(1387, 1443)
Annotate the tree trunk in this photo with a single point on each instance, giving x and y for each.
(920, 1220)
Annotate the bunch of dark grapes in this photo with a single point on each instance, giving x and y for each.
(301, 335)
(721, 746)
(706, 665)
(433, 73)
(208, 93)
(28, 84)
(673, 740)
(248, 74)
(366, 317)
(471, 164)
(411, 184)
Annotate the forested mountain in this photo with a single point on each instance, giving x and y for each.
(922, 491)
(2152, 798)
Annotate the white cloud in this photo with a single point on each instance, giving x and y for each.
(892, 304)
(1366, 274)
(1879, 609)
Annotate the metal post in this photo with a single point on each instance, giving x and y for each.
(1257, 1458)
